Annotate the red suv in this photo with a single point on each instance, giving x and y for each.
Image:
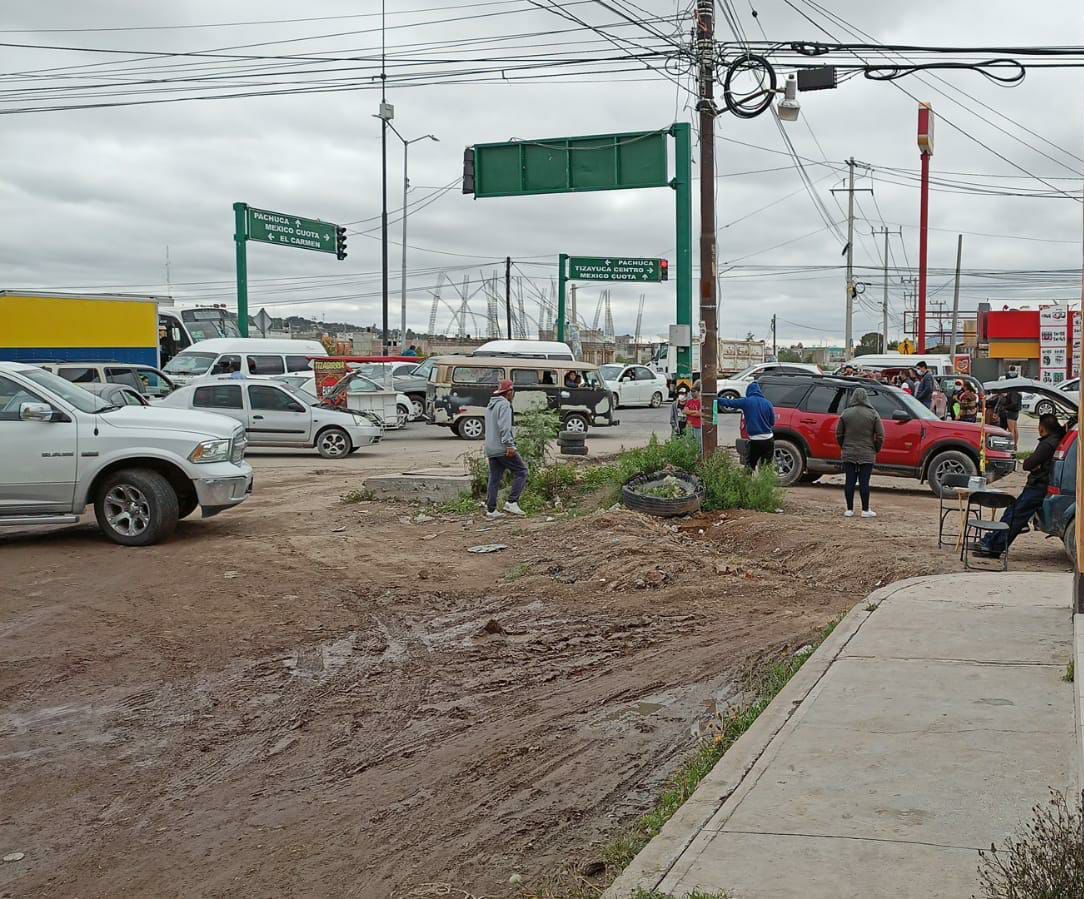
(917, 443)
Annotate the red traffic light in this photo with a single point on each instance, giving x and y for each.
(664, 269)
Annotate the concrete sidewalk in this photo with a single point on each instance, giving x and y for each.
(917, 734)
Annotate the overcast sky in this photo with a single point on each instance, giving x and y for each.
(92, 198)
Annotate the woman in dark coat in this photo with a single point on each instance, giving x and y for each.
(861, 436)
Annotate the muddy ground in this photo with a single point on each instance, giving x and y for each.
(303, 697)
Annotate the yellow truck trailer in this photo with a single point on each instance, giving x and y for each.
(54, 327)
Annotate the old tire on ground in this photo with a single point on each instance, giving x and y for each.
(656, 399)
(472, 427)
(660, 506)
(946, 463)
(574, 450)
(333, 443)
(1044, 407)
(1070, 541)
(789, 462)
(571, 437)
(136, 507)
(576, 423)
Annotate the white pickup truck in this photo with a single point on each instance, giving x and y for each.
(141, 467)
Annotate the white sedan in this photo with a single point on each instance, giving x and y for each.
(1037, 404)
(735, 387)
(634, 385)
(276, 414)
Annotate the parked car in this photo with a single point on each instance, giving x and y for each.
(413, 384)
(460, 388)
(117, 394)
(249, 355)
(355, 384)
(141, 467)
(635, 385)
(276, 414)
(147, 380)
(1040, 404)
(732, 388)
(1057, 515)
(917, 444)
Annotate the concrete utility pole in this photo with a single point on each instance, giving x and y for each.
(709, 351)
(884, 304)
(775, 349)
(956, 291)
(848, 339)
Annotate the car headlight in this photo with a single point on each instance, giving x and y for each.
(240, 444)
(211, 451)
(997, 442)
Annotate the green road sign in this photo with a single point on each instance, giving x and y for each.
(291, 231)
(613, 268)
(567, 164)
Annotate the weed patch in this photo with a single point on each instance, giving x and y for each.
(357, 495)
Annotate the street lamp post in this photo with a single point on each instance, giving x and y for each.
(406, 186)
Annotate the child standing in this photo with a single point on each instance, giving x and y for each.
(677, 413)
(694, 415)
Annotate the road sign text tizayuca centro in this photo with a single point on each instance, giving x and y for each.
(613, 268)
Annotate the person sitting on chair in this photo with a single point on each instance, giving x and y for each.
(1039, 466)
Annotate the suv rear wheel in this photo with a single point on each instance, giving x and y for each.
(472, 427)
(946, 463)
(1070, 541)
(136, 507)
(789, 462)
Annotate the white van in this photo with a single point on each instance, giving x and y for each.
(248, 355)
(526, 349)
(940, 364)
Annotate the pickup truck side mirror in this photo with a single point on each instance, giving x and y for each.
(902, 415)
(38, 412)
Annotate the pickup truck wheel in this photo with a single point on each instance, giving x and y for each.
(473, 427)
(136, 507)
(1070, 541)
(333, 443)
(417, 406)
(789, 462)
(946, 463)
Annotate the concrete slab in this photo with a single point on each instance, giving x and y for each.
(925, 734)
(436, 485)
(808, 867)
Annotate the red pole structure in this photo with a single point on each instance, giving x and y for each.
(925, 146)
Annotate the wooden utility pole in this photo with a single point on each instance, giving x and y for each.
(508, 293)
(709, 351)
(956, 293)
(1078, 532)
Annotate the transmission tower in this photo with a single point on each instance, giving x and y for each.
(436, 306)
(464, 308)
(598, 309)
(639, 319)
(608, 334)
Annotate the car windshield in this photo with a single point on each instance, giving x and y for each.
(83, 400)
(190, 363)
(610, 372)
(422, 371)
(914, 406)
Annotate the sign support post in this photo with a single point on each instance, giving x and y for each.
(683, 187)
(562, 279)
(240, 237)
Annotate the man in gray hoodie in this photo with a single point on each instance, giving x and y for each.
(501, 452)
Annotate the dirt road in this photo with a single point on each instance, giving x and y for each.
(304, 697)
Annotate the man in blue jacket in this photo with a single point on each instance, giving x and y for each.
(759, 424)
(926, 386)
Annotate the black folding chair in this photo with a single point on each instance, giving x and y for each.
(978, 527)
(951, 481)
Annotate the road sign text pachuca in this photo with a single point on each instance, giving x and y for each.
(290, 231)
(613, 268)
